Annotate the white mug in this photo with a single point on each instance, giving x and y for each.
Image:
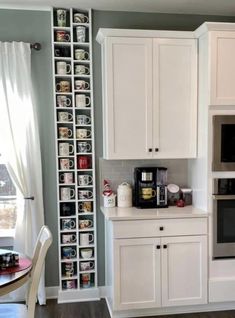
(66, 164)
(81, 69)
(84, 224)
(85, 194)
(66, 177)
(86, 238)
(82, 133)
(67, 193)
(61, 17)
(82, 100)
(81, 33)
(68, 238)
(64, 116)
(81, 54)
(65, 132)
(65, 149)
(83, 85)
(63, 68)
(80, 18)
(86, 266)
(84, 179)
(84, 147)
(83, 120)
(63, 101)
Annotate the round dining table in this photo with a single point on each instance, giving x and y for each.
(15, 277)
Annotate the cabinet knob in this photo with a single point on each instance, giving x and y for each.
(158, 247)
(150, 149)
(161, 228)
(156, 149)
(164, 246)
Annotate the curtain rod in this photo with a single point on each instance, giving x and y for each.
(36, 46)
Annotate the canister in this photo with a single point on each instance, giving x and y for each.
(124, 195)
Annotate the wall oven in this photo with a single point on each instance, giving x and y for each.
(223, 143)
(224, 218)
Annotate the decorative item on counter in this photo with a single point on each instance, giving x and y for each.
(124, 195)
(173, 193)
(108, 195)
(187, 196)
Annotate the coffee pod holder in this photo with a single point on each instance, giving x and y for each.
(76, 282)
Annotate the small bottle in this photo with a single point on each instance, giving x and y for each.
(124, 195)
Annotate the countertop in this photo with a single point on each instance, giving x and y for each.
(132, 213)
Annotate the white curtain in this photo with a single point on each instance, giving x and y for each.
(21, 147)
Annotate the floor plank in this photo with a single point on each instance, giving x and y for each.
(98, 309)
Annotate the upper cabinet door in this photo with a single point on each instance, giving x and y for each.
(127, 98)
(175, 97)
(222, 68)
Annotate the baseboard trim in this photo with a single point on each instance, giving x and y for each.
(52, 292)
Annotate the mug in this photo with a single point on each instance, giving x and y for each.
(84, 147)
(86, 266)
(62, 36)
(68, 252)
(84, 162)
(65, 133)
(81, 54)
(83, 133)
(85, 207)
(69, 284)
(84, 224)
(66, 164)
(67, 193)
(69, 269)
(68, 224)
(85, 194)
(81, 33)
(80, 18)
(148, 193)
(85, 239)
(68, 238)
(61, 17)
(67, 209)
(63, 68)
(66, 177)
(84, 179)
(80, 84)
(86, 280)
(86, 252)
(81, 69)
(62, 51)
(63, 86)
(64, 116)
(82, 100)
(65, 149)
(63, 101)
(83, 120)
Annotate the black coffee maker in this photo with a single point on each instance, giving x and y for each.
(150, 187)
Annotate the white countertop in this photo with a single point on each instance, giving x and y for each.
(172, 212)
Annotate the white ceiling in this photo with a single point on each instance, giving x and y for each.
(208, 7)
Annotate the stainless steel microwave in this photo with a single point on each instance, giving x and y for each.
(223, 143)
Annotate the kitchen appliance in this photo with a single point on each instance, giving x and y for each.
(224, 218)
(150, 187)
(223, 143)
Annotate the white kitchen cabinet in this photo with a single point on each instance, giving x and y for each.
(137, 277)
(222, 67)
(149, 96)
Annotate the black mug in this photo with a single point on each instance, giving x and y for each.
(62, 51)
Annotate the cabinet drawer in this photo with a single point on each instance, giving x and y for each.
(164, 227)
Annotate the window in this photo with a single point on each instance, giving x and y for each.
(7, 202)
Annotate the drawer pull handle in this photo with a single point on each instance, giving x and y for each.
(156, 149)
(164, 246)
(158, 247)
(150, 149)
(161, 228)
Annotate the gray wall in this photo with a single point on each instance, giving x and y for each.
(31, 26)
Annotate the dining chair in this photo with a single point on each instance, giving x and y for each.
(11, 310)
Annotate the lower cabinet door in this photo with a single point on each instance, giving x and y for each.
(184, 270)
(137, 281)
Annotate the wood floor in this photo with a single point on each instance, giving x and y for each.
(98, 309)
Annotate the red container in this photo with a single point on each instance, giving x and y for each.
(84, 162)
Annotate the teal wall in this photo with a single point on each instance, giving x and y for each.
(34, 26)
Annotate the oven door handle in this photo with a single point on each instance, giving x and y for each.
(223, 196)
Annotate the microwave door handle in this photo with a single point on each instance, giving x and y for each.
(223, 197)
